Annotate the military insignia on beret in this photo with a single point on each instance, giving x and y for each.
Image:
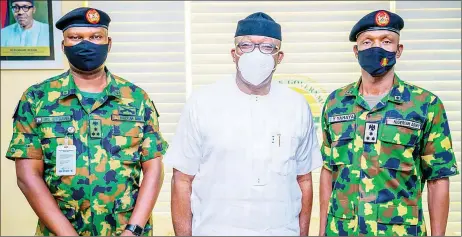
(92, 16)
(382, 18)
(384, 62)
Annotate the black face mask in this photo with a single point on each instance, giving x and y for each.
(87, 56)
(376, 60)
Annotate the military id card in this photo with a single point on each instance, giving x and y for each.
(66, 160)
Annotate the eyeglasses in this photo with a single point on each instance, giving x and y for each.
(265, 48)
(24, 8)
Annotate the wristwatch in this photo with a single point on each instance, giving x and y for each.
(135, 229)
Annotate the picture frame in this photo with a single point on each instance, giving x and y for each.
(36, 52)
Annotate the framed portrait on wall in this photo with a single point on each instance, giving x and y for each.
(29, 39)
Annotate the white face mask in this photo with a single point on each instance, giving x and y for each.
(255, 67)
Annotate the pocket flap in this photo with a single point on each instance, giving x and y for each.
(399, 135)
(401, 214)
(127, 129)
(343, 131)
(53, 130)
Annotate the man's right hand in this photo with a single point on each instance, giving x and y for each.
(29, 173)
(325, 192)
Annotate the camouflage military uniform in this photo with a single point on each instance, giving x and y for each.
(377, 185)
(112, 135)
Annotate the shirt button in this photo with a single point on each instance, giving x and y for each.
(13, 149)
(70, 129)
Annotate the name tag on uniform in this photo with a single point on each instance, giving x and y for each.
(342, 118)
(134, 118)
(404, 123)
(53, 119)
(66, 160)
(370, 133)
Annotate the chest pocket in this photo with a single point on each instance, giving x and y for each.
(342, 151)
(283, 156)
(126, 140)
(53, 134)
(397, 147)
(342, 136)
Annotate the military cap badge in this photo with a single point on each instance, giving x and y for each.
(382, 18)
(92, 16)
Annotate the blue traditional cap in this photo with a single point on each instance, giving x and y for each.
(259, 23)
(84, 17)
(377, 20)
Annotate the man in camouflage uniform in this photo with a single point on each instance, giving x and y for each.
(108, 127)
(383, 140)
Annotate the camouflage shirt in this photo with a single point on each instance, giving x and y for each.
(380, 159)
(112, 136)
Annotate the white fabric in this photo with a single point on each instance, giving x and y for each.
(373, 100)
(14, 36)
(245, 183)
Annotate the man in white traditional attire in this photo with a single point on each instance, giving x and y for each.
(245, 147)
(26, 32)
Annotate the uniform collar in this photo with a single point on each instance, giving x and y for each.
(396, 93)
(69, 88)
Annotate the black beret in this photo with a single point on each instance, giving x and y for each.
(377, 20)
(259, 23)
(84, 17)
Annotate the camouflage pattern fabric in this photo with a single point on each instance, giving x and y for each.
(112, 136)
(378, 177)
